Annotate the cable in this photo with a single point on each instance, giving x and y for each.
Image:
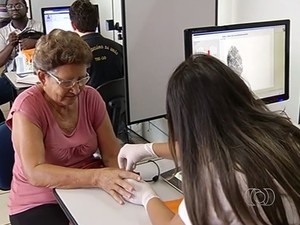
(156, 177)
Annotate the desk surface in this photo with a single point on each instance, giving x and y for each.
(92, 206)
(13, 79)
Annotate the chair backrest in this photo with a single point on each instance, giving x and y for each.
(6, 157)
(2, 118)
(113, 93)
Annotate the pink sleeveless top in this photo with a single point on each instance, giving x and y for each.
(72, 150)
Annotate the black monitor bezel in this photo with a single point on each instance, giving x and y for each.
(188, 33)
(61, 8)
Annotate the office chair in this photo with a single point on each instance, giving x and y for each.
(113, 93)
(2, 118)
(6, 157)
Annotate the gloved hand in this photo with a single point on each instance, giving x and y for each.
(142, 192)
(130, 154)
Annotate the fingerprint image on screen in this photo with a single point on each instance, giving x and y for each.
(234, 60)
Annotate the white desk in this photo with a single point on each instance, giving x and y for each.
(95, 207)
(12, 77)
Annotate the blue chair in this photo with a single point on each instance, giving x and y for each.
(6, 157)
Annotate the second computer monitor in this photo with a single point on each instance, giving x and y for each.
(58, 17)
(258, 52)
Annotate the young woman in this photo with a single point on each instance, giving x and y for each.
(240, 162)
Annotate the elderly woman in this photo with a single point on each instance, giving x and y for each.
(57, 125)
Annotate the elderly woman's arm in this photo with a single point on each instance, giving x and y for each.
(28, 143)
(108, 143)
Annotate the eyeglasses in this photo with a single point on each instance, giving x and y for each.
(17, 6)
(70, 83)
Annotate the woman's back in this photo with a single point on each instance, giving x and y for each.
(221, 130)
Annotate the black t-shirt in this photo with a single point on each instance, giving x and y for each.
(107, 61)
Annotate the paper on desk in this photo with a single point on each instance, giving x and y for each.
(27, 79)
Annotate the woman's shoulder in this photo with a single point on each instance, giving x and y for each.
(91, 93)
(31, 94)
(26, 103)
(91, 97)
(90, 89)
(28, 100)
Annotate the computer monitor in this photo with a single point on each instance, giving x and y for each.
(58, 17)
(259, 52)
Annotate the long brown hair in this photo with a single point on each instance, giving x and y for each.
(222, 129)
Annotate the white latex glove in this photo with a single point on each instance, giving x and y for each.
(130, 154)
(142, 193)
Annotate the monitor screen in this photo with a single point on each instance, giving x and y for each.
(58, 17)
(258, 52)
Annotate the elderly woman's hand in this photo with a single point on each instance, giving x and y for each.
(112, 181)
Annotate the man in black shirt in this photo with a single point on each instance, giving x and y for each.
(108, 55)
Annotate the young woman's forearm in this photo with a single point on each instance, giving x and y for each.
(159, 213)
(162, 150)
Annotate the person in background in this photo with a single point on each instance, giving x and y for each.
(57, 125)
(9, 40)
(239, 161)
(9, 34)
(107, 61)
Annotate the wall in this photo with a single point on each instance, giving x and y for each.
(117, 16)
(236, 11)
(155, 46)
(225, 12)
(106, 13)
